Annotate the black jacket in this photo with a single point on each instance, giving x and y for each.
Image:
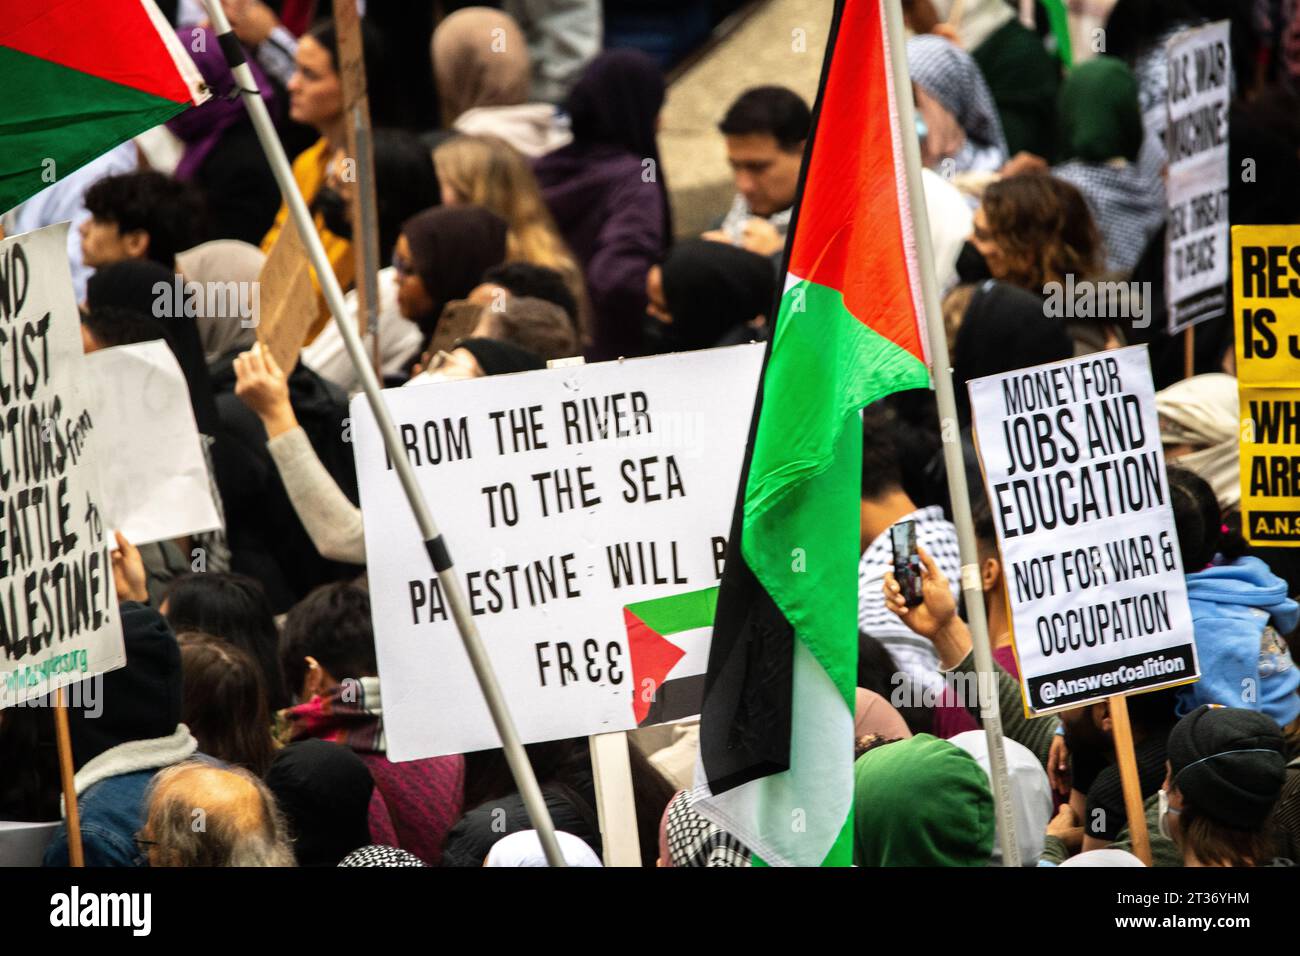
(572, 810)
(266, 539)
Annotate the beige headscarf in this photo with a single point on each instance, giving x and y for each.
(872, 714)
(480, 58)
(1203, 411)
(222, 260)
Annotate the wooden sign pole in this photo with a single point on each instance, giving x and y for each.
(615, 804)
(1189, 351)
(76, 855)
(1128, 776)
(363, 208)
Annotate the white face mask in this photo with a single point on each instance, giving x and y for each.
(1165, 811)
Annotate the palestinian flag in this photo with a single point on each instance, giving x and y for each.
(78, 77)
(776, 742)
(668, 641)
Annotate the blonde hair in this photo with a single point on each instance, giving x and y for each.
(488, 172)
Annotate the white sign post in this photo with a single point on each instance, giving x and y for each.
(1196, 140)
(59, 620)
(1076, 481)
(569, 494)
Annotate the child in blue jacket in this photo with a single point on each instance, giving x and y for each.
(1241, 612)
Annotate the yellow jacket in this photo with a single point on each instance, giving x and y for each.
(309, 171)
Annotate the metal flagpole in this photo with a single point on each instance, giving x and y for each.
(952, 455)
(433, 542)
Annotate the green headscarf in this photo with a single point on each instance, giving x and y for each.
(1097, 113)
(921, 802)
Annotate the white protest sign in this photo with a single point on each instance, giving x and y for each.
(155, 482)
(565, 496)
(59, 621)
(1196, 140)
(1076, 480)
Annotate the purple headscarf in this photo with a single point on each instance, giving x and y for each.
(201, 127)
(616, 102)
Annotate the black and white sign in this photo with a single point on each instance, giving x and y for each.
(1196, 140)
(1076, 480)
(564, 495)
(59, 621)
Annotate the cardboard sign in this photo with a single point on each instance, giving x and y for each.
(1075, 474)
(157, 487)
(586, 509)
(1266, 295)
(1196, 140)
(59, 621)
(287, 304)
(360, 151)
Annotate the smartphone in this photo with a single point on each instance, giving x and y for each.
(907, 563)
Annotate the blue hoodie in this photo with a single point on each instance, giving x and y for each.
(1239, 612)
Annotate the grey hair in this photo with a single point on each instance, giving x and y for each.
(221, 841)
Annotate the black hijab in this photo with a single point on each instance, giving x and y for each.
(710, 289)
(451, 248)
(324, 790)
(1004, 328)
(616, 102)
(133, 284)
(501, 358)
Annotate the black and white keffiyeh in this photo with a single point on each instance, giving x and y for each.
(695, 841)
(378, 855)
(951, 76)
(1127, 203)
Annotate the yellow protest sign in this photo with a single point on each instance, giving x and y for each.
(1266, 295)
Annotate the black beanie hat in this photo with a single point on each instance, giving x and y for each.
(324, 790)
(141, 701)
(1228, 764)
(500, 358)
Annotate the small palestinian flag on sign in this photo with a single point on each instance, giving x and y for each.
(668, 640)
(78, 77)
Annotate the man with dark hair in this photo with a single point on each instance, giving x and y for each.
(765, 130)
(884, 504)
(109, 326)
(327, 648)
(140, 215)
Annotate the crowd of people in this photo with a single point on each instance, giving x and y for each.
(525, 217)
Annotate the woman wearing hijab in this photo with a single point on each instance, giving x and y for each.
(607, 193)
(223, 330)
(708, 293)
(483, 72)
(1022, 76)
(328, 797)
(1100, 133)
(405, 184)
(441, 255)
(954, 104)
(222, 156)
(921, 802)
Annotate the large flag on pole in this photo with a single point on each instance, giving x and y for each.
(78, 77)
(776, 743)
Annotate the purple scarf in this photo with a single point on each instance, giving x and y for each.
(201, 127)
